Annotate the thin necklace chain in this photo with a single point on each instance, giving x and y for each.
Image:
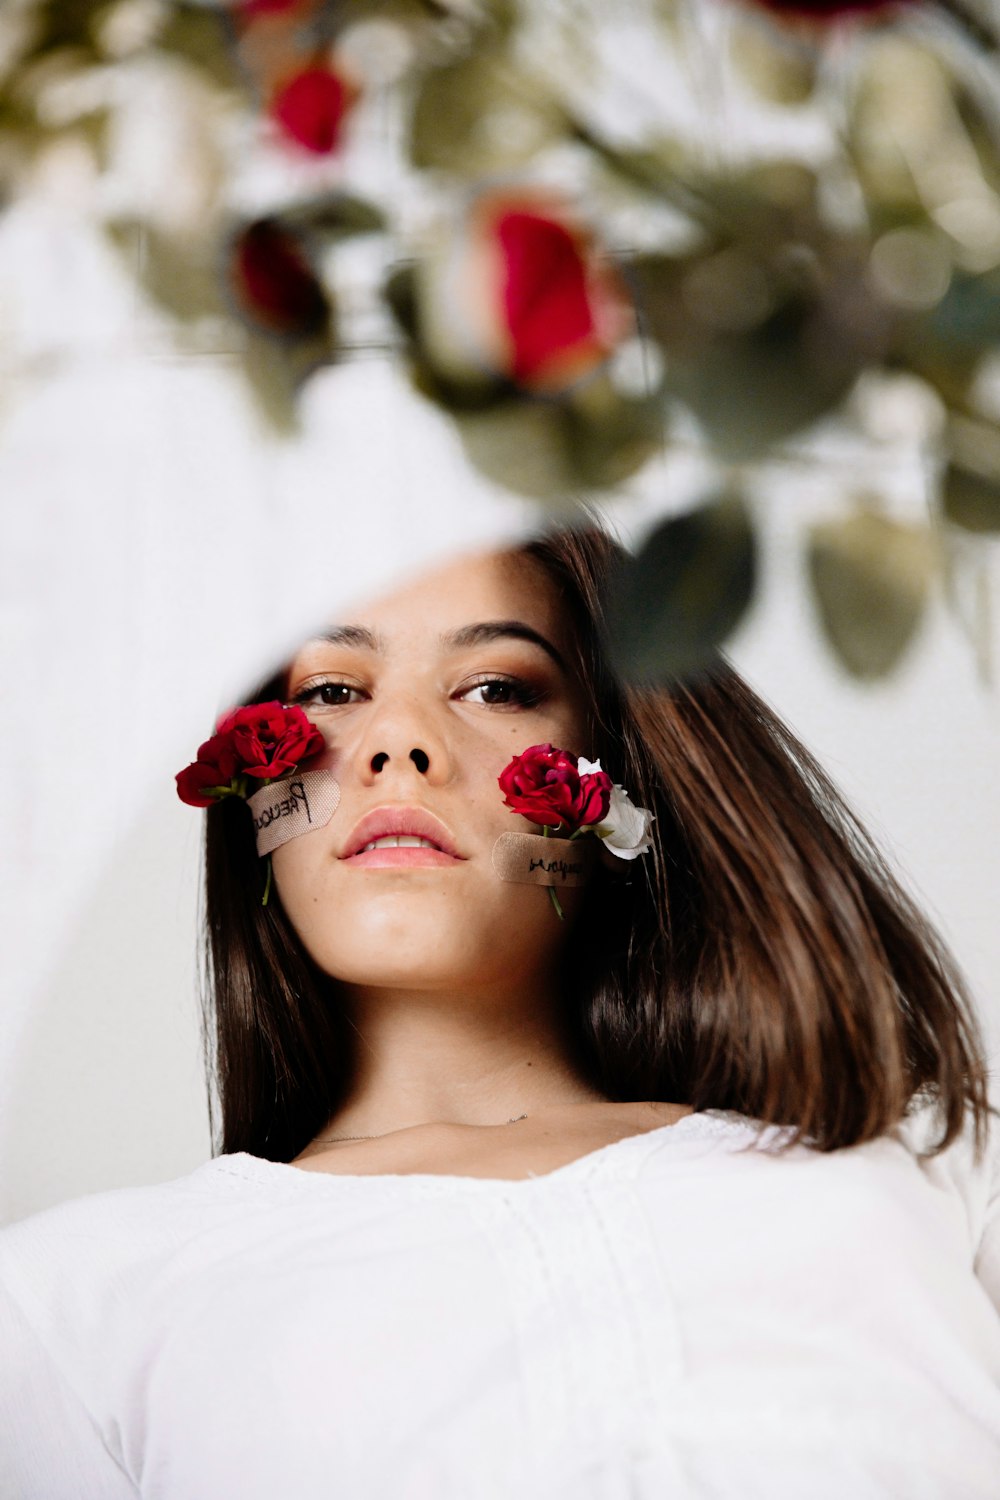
(332, 1140)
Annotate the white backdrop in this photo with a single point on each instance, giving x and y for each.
(159, 550)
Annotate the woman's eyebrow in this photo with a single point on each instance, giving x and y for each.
(497, 630)
(350, 635)
(467, 635)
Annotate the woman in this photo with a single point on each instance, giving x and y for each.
(689, 1193)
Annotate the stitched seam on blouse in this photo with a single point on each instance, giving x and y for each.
(645, 1372)
(585, 1436)
(485, 1214)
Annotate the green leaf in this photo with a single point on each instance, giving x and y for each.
(202, 38)
(335, 216)
(182, 277)
(674, 604)
(778, 64)
(970, 488)
(480, 115)
(870, 576)
(277, 369)
(522, 445)
(610, 436)
(970, 500)
(67, 23)
(758, 344)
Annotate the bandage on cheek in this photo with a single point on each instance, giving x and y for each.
(533, 859)
(287, 809)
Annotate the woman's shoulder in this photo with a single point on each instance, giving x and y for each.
(964, 1170)
(103, 1238)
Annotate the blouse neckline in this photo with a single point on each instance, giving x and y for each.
(629, 1151)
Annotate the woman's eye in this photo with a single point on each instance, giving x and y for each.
(503, 692)
(326, 695)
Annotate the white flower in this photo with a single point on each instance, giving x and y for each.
(624, 831)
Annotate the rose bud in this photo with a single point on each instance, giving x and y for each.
(275, 285)
(520, 294)
(311, 105)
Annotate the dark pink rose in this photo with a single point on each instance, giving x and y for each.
(264, 741)
(545, 785)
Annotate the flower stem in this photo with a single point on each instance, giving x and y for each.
(267, 883)
(551, 889)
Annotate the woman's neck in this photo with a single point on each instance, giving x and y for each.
(424, 1057)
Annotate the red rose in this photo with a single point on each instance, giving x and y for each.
(216, 766)
(520, 293)
(262, 740)
(276, 286)
(544, 784)
(269, 739)
(310, 108)
(546, 299)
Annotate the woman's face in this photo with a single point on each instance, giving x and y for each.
(426, 696)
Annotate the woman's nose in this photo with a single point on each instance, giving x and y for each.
(402, 741)
(419, 757)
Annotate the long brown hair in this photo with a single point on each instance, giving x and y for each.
(763, 959)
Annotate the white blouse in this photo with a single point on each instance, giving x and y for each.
(680, 1314)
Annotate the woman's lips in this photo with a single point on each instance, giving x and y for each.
(397, 821)
(401, 858)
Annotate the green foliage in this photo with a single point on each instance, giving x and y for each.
(673, 604)
(763, 288)
(970, 490)
(871, 576)
(202, 38)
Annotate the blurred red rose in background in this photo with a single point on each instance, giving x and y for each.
(521, 292)
(311, 105)
(276, 287)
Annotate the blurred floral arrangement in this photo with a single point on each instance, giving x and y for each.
(581, 272)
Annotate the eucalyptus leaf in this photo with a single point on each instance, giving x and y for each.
(66, 23)
(871, 577)
(752, 389)
(400, 293)
(971, 500)
(970, 487)
(611, 436)
(479, 115)
(203, 38)
(759, 345)
(183, 278)
(674, 603)
(522, 445)
(276, 371)
(778, 64)
(335, 216)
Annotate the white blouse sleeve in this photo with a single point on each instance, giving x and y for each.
(50, 1448)
(987, 1261)
(973, 1180)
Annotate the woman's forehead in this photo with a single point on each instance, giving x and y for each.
(442, 602)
